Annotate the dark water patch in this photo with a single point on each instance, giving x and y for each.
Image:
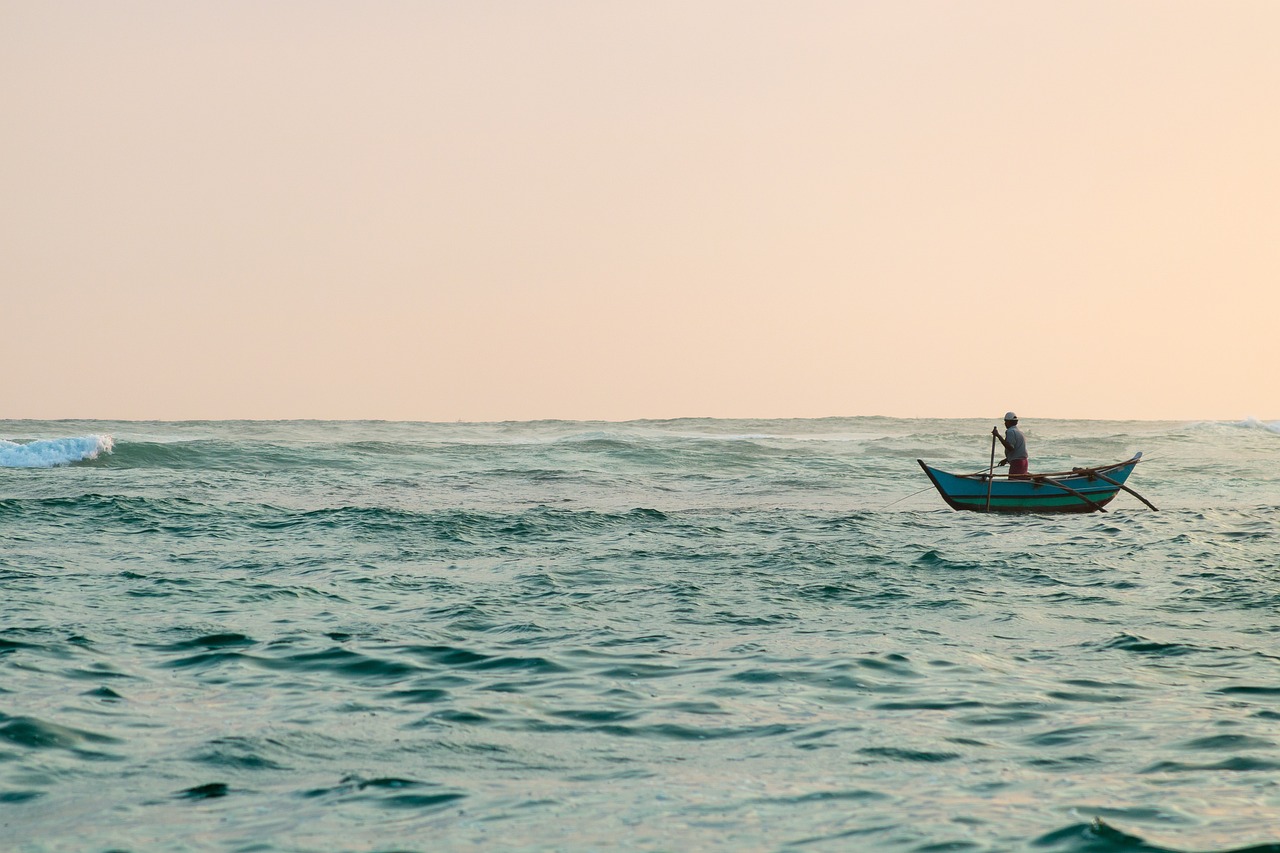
(209, 642)
(854, 795)
(1094, 684)
(104, 693)
(379, 785)
(10, 646)
(1226, 743)
(1141, 645)
(387, 782)
(892, 663)
(1123, 585)
(894, 753)
(461, 717)
(613, 642)
(933, 559)
(268, 593)
(33, 733)
(344, 662)
(15, 797)
(160, 586)
(241, 754)
(1095, 837)
(1098, 836)
(1250, 691)
(391, 792)
(451, 657)
(928, 705)
(827, 738)
(1068, 763)
(419, 696)
(833, 592)
(693, 707)
(595, 715)
(422, 801)
(624, 775)
(1235, 764)
(207, 791)
(1088, 698)
(1068, 736)
(518, 631)
(1065, 597)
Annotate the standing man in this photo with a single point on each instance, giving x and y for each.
(1015, 446)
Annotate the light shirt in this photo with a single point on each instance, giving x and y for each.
(1017, 443)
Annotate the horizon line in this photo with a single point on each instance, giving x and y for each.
(464, 421)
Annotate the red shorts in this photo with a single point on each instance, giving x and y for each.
(1018, 467)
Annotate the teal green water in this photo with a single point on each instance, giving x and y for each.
(676, 635)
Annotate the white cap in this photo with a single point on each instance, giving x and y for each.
(1010, 416)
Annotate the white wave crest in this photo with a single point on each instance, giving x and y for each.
(1254, 423)
(50, 452)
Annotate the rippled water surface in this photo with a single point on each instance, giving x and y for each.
(676, 635)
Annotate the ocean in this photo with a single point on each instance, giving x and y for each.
(653, 635)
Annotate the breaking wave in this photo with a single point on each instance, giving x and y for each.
(1254, 423)
(51, 452)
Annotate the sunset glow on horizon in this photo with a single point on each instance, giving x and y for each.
(598, 210)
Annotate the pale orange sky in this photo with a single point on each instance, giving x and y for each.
(515, 210)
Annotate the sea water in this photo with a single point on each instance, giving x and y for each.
(653, 635)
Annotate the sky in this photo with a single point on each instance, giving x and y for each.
(612, 210)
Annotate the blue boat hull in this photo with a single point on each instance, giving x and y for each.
(1079, 490)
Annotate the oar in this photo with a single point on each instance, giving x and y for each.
(1126, 488)
(1099, 507)
(1094, 472)
(991, 472)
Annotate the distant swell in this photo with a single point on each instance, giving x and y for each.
(51, 452)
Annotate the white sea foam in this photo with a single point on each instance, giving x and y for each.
(51, 452)
(1254, 423)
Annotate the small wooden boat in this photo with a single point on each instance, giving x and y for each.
(1077, 490)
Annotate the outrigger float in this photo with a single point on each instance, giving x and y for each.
(1077, 490)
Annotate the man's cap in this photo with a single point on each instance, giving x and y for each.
(1010, 416)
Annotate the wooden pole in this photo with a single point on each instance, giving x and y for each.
(991, 472)
(1126, 488)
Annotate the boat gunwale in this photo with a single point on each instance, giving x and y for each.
(982, 477)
